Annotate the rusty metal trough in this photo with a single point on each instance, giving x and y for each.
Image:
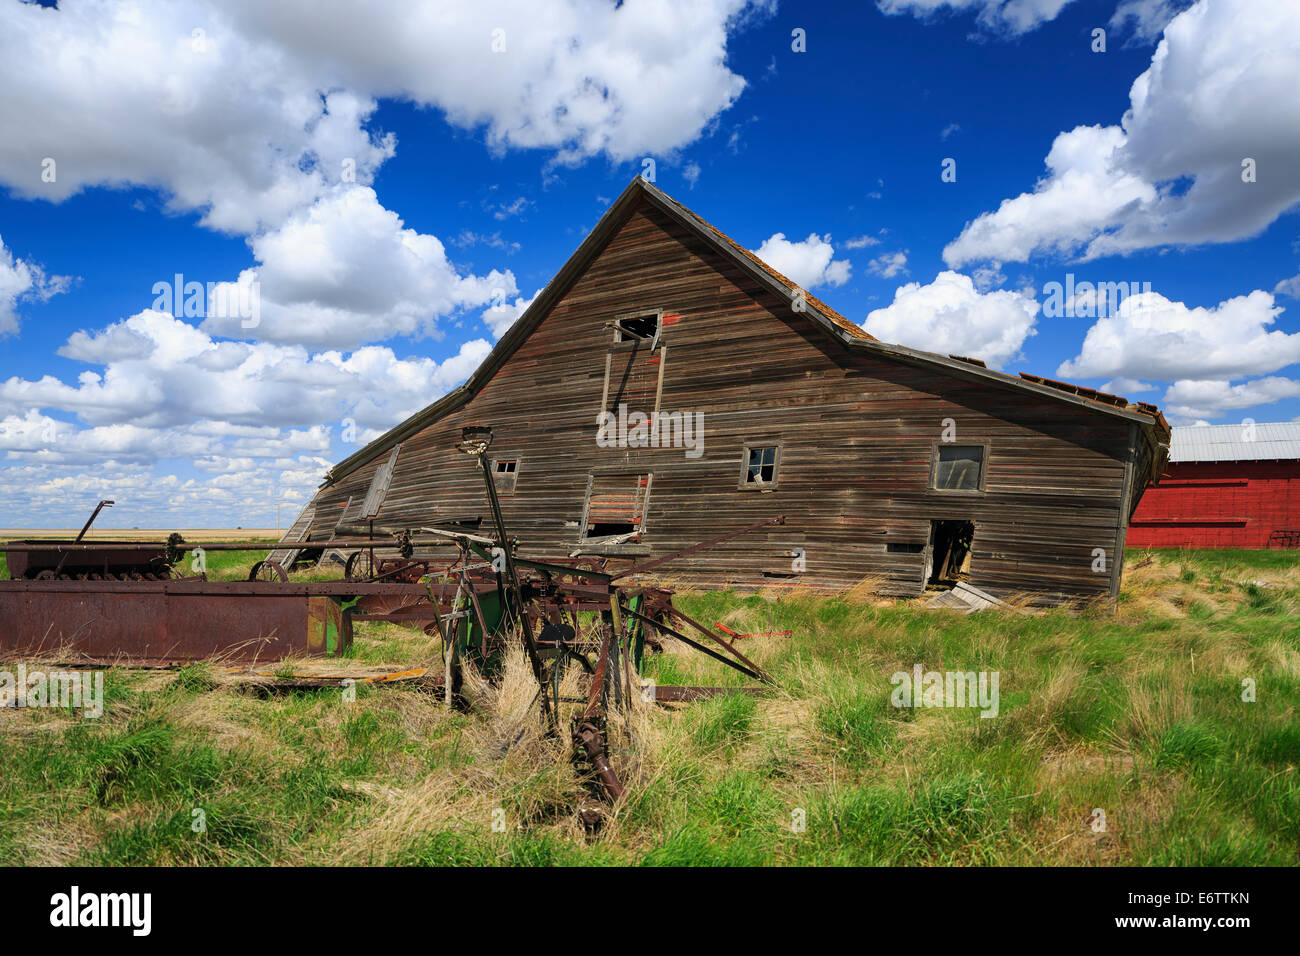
(155, 622)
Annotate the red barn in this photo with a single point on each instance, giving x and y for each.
(1226, 486)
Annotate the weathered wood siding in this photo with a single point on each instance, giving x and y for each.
(857, 437)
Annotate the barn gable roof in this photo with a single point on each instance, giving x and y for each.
(836, 326)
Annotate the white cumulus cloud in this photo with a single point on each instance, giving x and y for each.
(346, 271)
(1003, 16)
(1147, 18)
(162, 378)
(1209, 150)
(22, 280)
(889, 264)
(1149, 336)
(809, 262)
(951, 316)
(1191, 399)
(247, 111)
(503, 314)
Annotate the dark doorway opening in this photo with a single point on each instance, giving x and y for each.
(950, 551)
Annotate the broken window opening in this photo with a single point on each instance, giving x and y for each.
(951, 543)
(902, 547)
(505, 473)
(643, 326)
(616, 508)
(610, 529)
(762, 465)
(959, 468)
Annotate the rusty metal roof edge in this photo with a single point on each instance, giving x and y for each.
(964, 370)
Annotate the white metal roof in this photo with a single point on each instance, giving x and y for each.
(1265, 441)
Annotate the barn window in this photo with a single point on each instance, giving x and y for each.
(761, 467)
(616, 508)
(903, 547)
(638, 326)
(959, 468)
(505, 472)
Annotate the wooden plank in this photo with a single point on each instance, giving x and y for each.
(379, 485)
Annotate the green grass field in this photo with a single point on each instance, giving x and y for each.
(1136, 712)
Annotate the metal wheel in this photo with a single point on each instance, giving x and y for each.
(267, 571)
(360, 567)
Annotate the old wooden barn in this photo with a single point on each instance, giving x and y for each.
(888, 463)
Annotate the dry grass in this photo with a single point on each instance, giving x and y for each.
(1135, 711)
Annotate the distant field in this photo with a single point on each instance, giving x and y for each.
(146, 534)
(1135, 712)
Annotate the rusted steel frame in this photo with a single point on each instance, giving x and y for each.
(98, 545)
(535, 659)
(514, 589)
(588, 735)
(580, 606)
(650, 635)
(669, 694)
(757, 675)
(408, 566)
(437, 618)
(562, 569)
(622, 678)
(609, 648)
(450, 646)
(456, 537)
(598, 679)
(100, 563)
(758, 671)
(658, 562)
(625, 649)
(597, 593)
(337, 680)
(478, 613)
(578, 642)
(82, 533)
(238, 588)
(106, 503)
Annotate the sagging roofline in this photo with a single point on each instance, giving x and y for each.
(847, 334)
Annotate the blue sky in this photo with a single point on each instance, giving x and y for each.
(396, 190)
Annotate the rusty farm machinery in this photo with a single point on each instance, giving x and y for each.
(131, 603)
